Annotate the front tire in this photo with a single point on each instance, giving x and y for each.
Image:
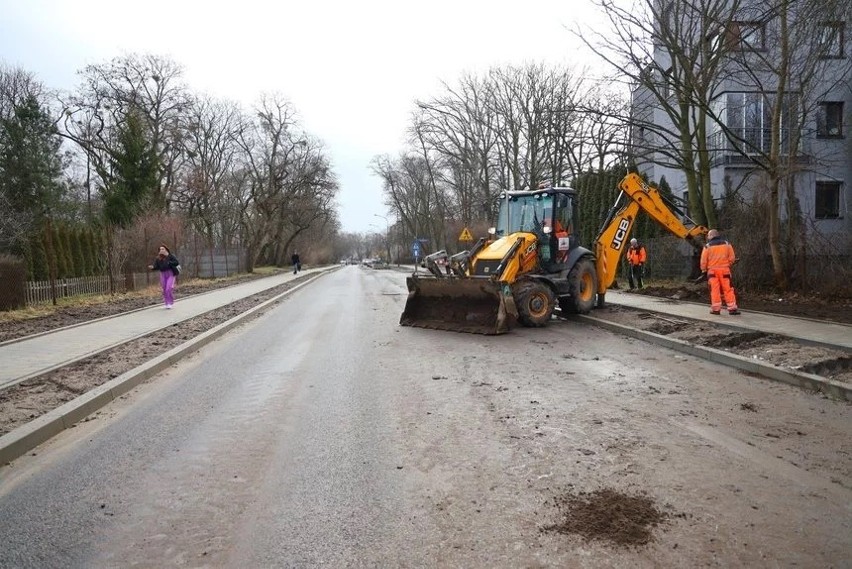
(535, 302)
(582, 286)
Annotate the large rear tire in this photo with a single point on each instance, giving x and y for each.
(583, 286)
(535, 302)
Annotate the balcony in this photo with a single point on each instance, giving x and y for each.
(755, 143)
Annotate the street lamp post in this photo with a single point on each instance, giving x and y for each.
(387, 235)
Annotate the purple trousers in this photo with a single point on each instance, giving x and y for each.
(167, 281)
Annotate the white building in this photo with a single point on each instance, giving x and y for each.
(815, 120)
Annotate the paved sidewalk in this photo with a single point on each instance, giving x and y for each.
(827, 333)
(28, 358)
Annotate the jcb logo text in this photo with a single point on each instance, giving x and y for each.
(620, 234)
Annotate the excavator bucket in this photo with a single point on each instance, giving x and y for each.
(460, 304)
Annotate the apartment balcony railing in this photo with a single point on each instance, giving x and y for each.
(752, 144)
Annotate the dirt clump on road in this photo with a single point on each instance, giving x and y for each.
(609, 516)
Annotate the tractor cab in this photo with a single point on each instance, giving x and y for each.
(549, 214)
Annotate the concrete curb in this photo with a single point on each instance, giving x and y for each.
(764, 369)
(739, 327)
(27, 437)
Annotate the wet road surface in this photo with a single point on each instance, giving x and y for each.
(325, 434)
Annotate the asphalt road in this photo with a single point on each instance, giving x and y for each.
(325, 434)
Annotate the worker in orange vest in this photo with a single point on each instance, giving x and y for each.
(716, 260)
(636, 257)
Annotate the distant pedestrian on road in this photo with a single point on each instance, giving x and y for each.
(636, 257)
(717, 257)
(297, 264)
(169, 268)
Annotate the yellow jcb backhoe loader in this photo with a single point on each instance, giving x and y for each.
(613, 238)
(533, 262)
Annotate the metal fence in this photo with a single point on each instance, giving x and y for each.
(212, 263)
(673, 258)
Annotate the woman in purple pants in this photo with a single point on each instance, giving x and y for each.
(167, 264)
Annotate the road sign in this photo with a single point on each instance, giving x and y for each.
(415, 249)
(465, 235)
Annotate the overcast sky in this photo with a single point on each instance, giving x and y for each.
(352, 69)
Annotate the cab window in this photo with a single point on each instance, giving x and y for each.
(564, 218)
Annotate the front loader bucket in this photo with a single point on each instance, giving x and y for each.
(477, 306)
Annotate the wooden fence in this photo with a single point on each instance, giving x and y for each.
(38, 292)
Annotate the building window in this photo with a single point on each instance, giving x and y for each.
(830, 119)
(748, 36)
(748, 117)
(827, 200)
(831, 40)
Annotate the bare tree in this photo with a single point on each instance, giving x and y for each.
(147, 84)
(458, 127)
(210, 147)
(310, 195)
(787, 57)
(268, 142)
(511, 129)
(289, 185)
(16, 86)
(409, 194)
(663, 50)
(599, 139)
(517, 98)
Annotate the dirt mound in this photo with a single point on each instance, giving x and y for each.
(608, 515)
(684, 292)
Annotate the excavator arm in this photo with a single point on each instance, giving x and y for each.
(636, 195)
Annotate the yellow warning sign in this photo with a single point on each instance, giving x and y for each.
(465, 235)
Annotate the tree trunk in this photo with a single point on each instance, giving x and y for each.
(775, 233)
(51, 259)
(693, 192)
(704, 172)
(778, 270)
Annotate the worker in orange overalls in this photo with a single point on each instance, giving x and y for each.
(716, 260)
(636, 257)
